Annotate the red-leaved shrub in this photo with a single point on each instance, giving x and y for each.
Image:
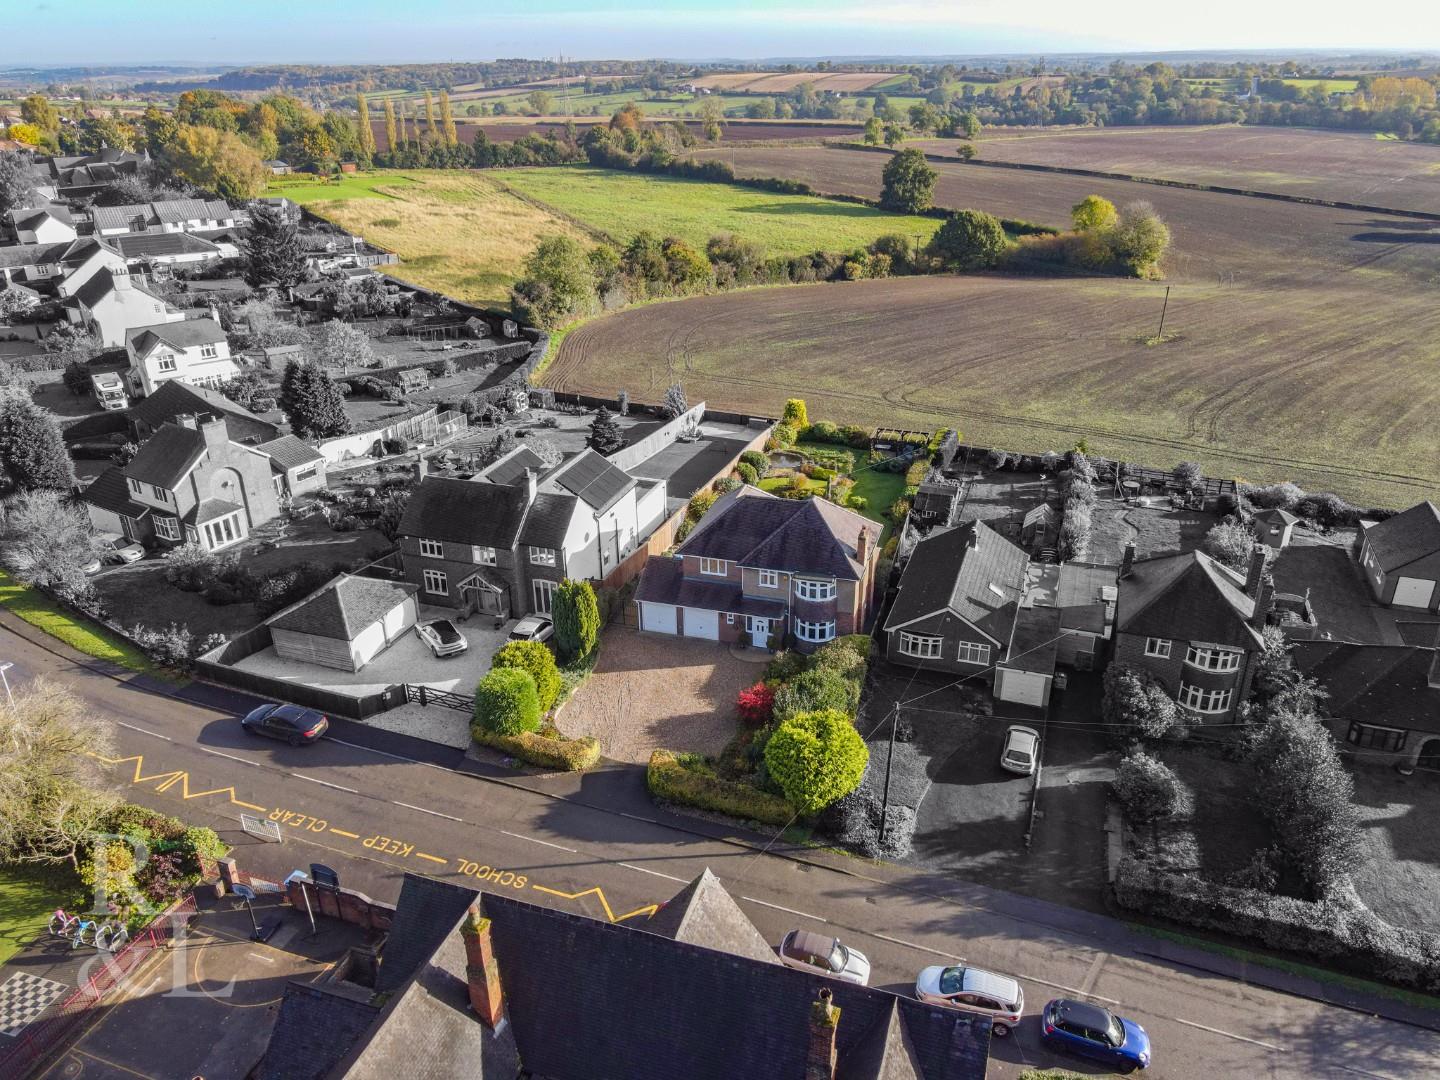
(755, 705)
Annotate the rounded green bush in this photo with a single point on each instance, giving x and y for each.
(506, 702)
(820, 688)
(816, 758)
(536, 660)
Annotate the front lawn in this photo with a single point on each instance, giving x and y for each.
(28, 894)
(80, 633)
(1225, 829)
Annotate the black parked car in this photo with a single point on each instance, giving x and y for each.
(289, 723)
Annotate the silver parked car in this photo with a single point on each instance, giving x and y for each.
(1022, 750)
(442, 636)
(821, 955)
(533, 628)
(997, 997)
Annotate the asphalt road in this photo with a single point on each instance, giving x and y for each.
(373, 816)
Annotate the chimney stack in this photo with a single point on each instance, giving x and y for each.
(214, 430)
(532, 482)
(1257, 570)
(820, 1055)
(189, 420)
(1127, 561)
(120, 279)
(482, 972)
(862, 546)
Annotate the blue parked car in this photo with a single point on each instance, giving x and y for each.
(1096, 1033)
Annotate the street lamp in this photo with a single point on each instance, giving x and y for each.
(4, 667)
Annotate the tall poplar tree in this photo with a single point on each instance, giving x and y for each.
(447, 120)
(391, 142)
(430, 115)
(366, 132)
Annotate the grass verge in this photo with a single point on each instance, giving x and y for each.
(80, 633)
(28, 894)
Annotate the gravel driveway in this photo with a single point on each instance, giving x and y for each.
(649, 691)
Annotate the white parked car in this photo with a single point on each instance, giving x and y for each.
(117, 549)
(442, 637)
(821, 955)
(996, 997)
(1022, 750)
(533, 628)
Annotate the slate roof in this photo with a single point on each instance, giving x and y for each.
(211, 510)
(167, 456)
(288, 452)
(1275, 514)
(704, 914)
(807, 536)
(118, 217)
(1189, 597)
(164, 212)
(1400, 540)
(954, 570)
(342, 608)
(427, 912)
(549, 519)
(111, 491)
(595, 481)
(663, 581)
(36, 215)
(1388, 685)
(184, 334)
(15, 255)
(314, 1028)
(174, 398)
(83, 248)
(139, 245)
(510, 469)
(464, 512)
(101, 284)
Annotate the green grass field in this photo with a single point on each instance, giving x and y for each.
(305, 188)
(90, 638)
(622, 204)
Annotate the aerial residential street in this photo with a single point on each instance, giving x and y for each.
(372, 816)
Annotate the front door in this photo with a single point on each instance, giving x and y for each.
(759, 628)
(544, 593)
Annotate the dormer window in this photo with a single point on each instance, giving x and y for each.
(715, 567)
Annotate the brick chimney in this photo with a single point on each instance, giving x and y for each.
(862, 547)
(1257, 570)
(120, 279)
(1127, 561)
(820, 1054)
(189, 420)
(532, 483)
(482, 972)
(214, 430)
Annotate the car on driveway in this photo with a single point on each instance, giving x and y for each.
(288, 723)
(442, 637)
(1022, 750)
(533, 628)
(821, 955)
(117, 549)
(973, 990)
(1090, 1031)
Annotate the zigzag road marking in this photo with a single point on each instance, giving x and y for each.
(648, 910)
(169, 779)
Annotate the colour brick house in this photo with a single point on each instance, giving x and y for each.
(1401, 557)
(759, 568)
(1196, 625)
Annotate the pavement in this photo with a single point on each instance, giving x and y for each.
(596, 844)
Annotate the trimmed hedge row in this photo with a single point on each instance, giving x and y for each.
(673, 782)
(571, 755)
(1341, 931)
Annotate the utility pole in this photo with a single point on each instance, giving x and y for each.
(1163, 307)
(885, 799)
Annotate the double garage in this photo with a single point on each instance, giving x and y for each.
(680, 621)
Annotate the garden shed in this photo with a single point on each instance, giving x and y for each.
(345, 623)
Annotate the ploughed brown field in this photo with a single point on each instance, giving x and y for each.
(759, 82)
(1349, 166)
(734, 131)
(1307, 339)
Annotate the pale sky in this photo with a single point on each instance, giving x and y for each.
(401, 31)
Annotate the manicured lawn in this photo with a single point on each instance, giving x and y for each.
(623, 203)
(27, 897)
(79, 633)
(879, 490)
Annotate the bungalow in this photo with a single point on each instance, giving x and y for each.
(299, 468)
(1401, 557)
(345, 623)
(112, 303)
(165, 249)
(194, 351)
(167, 216)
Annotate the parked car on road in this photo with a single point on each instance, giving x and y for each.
(533, 628)
(1022, 750)
(288, 723)
(973, 990)
(821, 955)
(442, 637)
(1096, 1033)
(117, 549)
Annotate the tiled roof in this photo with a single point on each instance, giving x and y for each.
(343, 607)
(549, 519)
(971, 570)
(174, 398)
(464, 512)
(173, 211)
(592, 479)
(1190, 597)
(110, 491)
(1284, 517)
(140, 245)
(704, 914)
(82, 248)
(1381, 684)
(510, 469)
(1402, 539)
(800, 535)
(119, 217)
(15, 255)
(183, 334)
(663, 582)
(211, 510)
(427, 912)
(314, 1028)
(288, 452)
(36, 215)
(167, 456)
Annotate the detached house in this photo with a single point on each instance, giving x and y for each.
(1401, 557)
(194, 351)
(189, 482)
(82, 260)
(113, 303)
(48, 224)
(1196, 625)
(761, 568)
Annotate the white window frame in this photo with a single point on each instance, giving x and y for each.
(165, 362)
(714, 567)
(767, 579)
(437, 582)
(208, 352)
(815, 632)
(921, 646)
(1199, 699)
(167, 527)
(137, 487)
(223, 531)
(815, 589)
(973, 652)
(432, 549)
(729, 618)
(485, 556)
(543, 556)
(1208, 659)
(159, 493)
(307, 473)
(1158, 647)
(544, 587)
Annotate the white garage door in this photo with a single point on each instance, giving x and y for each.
(658, 617)
(1413, 592)
(702, 623)
(1022, 687)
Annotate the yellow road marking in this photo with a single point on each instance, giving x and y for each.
(432, 858)
(342, 832)
(110, 1064)
(170, 779)
(647, 910)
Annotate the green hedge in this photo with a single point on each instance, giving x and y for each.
(571, 755)
(1341, 932)
(673, 782)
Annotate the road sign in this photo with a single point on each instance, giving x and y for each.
(269, 831)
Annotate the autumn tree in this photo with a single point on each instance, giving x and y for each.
(1140, 238)
(335, 343)
(874, 131)
(430, 115)
(447, 120)
(45, 539)
(540, 101)
(558, 285)
(363, 129)
(909, 183)
(216, 161)
(392, 141)
(1094, 214)
(969, 126)
(36, 109)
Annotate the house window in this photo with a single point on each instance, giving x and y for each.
(814, 631)
(923, 646)
(973, 653)
(223, 531)
(166, 527)
(1158, 646)
(208, 352)
(729, 618)
(485, 556)
(1213, 659)
(714, 567)
(1201, 700)
(808, 589)
(543, 557)
(436, 583)
(768, 579)
(165, 362)
(432, 549)
(544, 594)
(160, 493)
(307, 474)
(137, 487)
(1370, 737)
